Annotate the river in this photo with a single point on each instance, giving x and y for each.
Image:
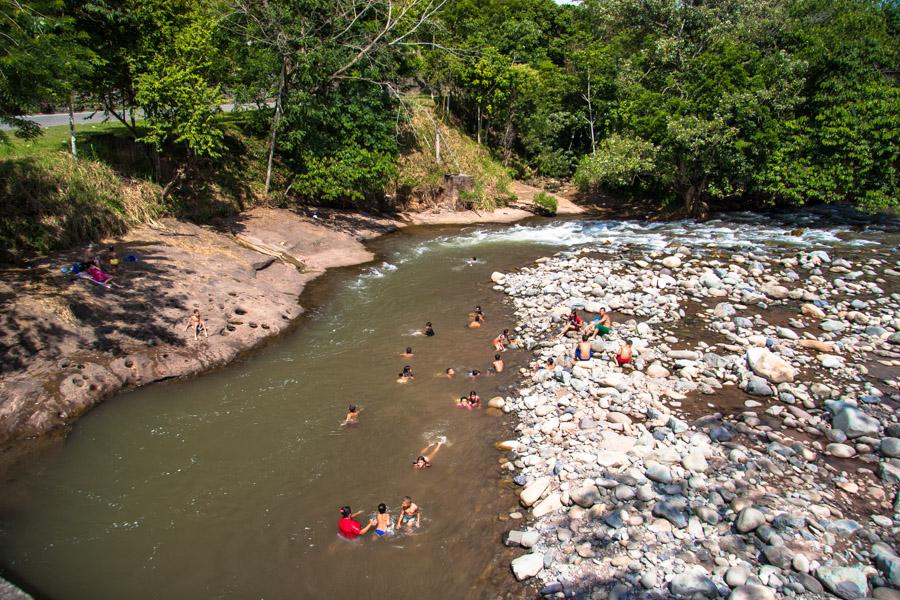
(229, 485)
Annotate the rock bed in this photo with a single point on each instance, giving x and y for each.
(792, 495)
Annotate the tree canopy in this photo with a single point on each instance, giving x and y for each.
(707, 103)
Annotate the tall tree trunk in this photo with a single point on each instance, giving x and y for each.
(590, 114)
(275, 121)
(479, 124)
(72, 124)
(694, 203)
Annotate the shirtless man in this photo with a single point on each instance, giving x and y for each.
(583, 351)
(384, 525)
(497, 364)
(410, 513)
(425, 457)
(600, 325)
(408, 353)
(197, 323)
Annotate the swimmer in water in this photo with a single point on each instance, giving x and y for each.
(349, 527)
(408, 353)
(497, 365)
(474, 399)
(405, 375)
(429, 330)
(497, 342)
(425, 457)
(410, 513)
(463, 402)
(472, 261)
(352, 417)
(384, 525)
(450, 373)
(474, 373)
(477, 318)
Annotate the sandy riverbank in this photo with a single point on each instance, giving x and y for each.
(67, 343)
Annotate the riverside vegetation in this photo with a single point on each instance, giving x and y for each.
(699, 104)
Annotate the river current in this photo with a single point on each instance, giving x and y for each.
(229, 485)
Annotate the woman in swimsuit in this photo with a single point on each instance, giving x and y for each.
(425, 457)
(497, 342)
(410, 514)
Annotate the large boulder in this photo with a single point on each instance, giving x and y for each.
(527, 565)
(749, 519)
(855, 423)
(768, 365)
(848, 583)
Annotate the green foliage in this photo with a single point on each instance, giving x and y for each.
(619, 163)
(546, 204)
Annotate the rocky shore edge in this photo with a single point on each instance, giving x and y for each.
(749, 453)
(68, 344)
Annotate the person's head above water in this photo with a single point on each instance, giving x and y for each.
(496, 357)
(428, 324)
(351, 408)
(345, 511)
(382, 508)
(420, 460)
(409, 350)
(473, 393)
(450, 371)
(478, 308)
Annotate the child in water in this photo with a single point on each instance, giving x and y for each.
(497, 342)
(408, 353)
(383, 523)
(450, 373)
(429, 330)
(463, 402)
(474, 399)
(425, 457)
(410, 514)
(352, 417)
(405, 375)
(497, 365)
(477, 318)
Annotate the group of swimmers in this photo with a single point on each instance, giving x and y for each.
(410, 513)
(599, 326)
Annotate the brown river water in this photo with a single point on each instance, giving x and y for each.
(229, 485)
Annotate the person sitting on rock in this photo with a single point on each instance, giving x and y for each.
(405, 375)
(497, 342)
(197, 323)
(624, 356)
(573, 323)
(600, 325)
(583, 351)
(497, 365)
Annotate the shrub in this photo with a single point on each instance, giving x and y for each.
(618, 163)
(546, 204)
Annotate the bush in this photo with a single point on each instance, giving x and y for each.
(618, 164)
(546, 204)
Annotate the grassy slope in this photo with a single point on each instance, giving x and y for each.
(50, 202)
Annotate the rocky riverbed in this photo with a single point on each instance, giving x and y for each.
(753, 449)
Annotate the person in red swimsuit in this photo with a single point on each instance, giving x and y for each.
(350, 528)
(625, 351)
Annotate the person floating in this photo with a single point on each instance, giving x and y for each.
(405, 375)
(349, 527)
(583, 350)
(425, 457)
(601, 324)
(624, 356)
(497, 342)
(497, 365)
(573, 323)
(429, 330)
(197, 323)
(352, 417)
(384, 524)
(408, 353)
(410, 514)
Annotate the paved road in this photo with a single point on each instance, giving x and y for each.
(85, 118)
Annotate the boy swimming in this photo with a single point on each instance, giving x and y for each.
(429, 330)
(450, 373)
(383, 522)
(405, 375)
(497, 364)
(410, 513)
(477, 318)
(352, 417)
(408, 353)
